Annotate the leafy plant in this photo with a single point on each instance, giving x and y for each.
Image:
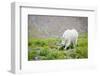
(48, 49)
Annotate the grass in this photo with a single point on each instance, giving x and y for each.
(48, 49)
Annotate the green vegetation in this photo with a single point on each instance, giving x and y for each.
(48, 49)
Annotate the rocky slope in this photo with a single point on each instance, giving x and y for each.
(40, 26)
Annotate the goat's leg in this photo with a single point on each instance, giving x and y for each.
(75, 44)
(67, 45)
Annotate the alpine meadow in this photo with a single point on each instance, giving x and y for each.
(45, 37)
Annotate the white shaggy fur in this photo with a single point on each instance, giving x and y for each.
(69, 38)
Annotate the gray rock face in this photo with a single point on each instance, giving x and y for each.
(43, 26)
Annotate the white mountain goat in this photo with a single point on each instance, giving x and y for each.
(69, 38)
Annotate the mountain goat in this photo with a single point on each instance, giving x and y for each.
(69, 38)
